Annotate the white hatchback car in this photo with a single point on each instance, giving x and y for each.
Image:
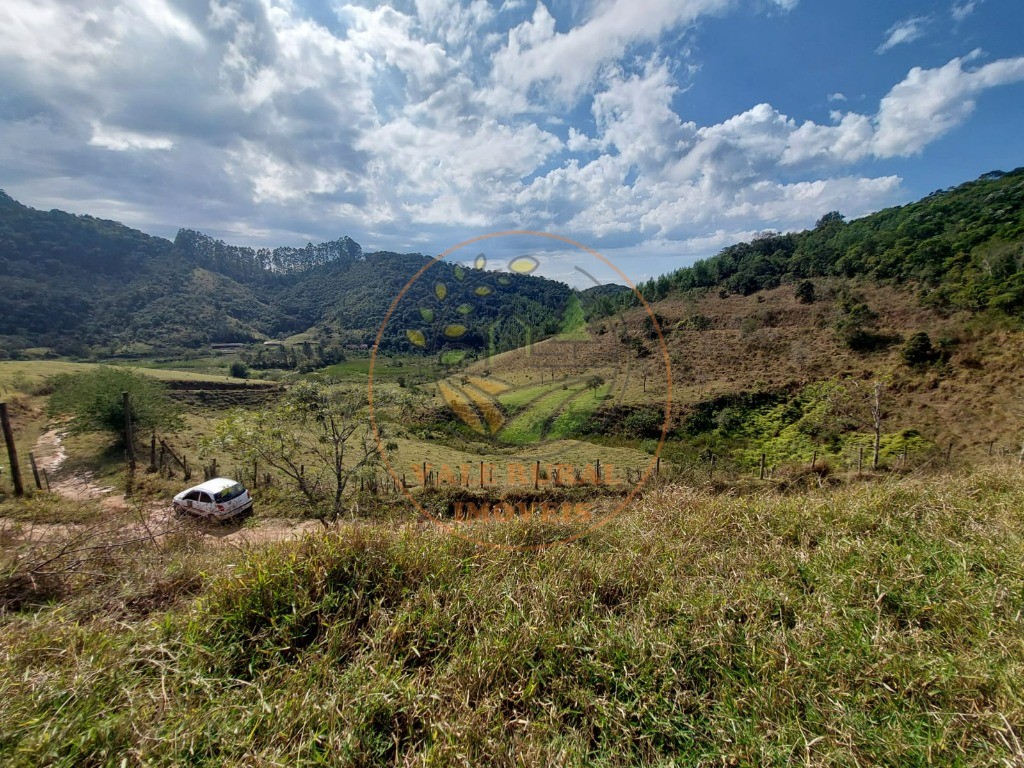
(217, 499)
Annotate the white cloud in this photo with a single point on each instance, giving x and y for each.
(119, 140)
(283, 179)
(566, 62)
(452, 21)
(930, 102)
(407, 123)
(901, 32)
(925, 105)
(961, 11)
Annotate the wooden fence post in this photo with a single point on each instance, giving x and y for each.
(126, 405)
(12, 451)
(35, 470)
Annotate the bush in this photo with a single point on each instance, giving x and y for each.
(644, 422)
(240, 370)
(805, 292)
(94, 401)
(918, 351)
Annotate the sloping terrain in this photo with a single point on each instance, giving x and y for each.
(726, 352)
(877, 624)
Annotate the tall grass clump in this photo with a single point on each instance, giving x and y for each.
(870, 625)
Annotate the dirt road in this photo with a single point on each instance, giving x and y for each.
(135, 520)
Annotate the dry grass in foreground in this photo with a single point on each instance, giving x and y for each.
(871, 625)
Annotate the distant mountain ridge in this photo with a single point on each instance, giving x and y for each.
(81, 285)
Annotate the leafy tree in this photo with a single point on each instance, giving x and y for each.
(94, 401)
(318, 438)
(830, 218)
(239, 370)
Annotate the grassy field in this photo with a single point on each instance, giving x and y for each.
(877, 624)
(23, 375)
(574, 415)
(385, 368)
(409, 454)
(532, 424)
(216, 365)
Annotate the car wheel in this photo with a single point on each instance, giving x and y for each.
(178, 509)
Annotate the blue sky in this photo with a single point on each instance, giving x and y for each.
(656, 131)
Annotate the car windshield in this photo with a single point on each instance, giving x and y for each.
(229, 493)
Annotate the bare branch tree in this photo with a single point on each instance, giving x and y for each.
(319, 438)
(876, 418)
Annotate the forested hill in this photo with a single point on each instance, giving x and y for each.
(962, 248)
(82, 285)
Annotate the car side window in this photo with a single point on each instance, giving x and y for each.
(205, 498)
(193, 496)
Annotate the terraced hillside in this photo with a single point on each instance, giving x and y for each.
(772, 348)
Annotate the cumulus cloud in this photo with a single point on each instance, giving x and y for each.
(901, 32)
(406, 125)
(567, 62)
(925, 105)
(930, 102)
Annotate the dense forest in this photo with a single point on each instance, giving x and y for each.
(961, 247)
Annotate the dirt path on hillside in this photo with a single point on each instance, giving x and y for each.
(78, 485)
(152, 519)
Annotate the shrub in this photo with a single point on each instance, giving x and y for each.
(918, 351)
(805, 292)
(240, 370)
(94, 401)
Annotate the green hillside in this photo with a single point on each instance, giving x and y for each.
(961, 248)
(83, 286)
